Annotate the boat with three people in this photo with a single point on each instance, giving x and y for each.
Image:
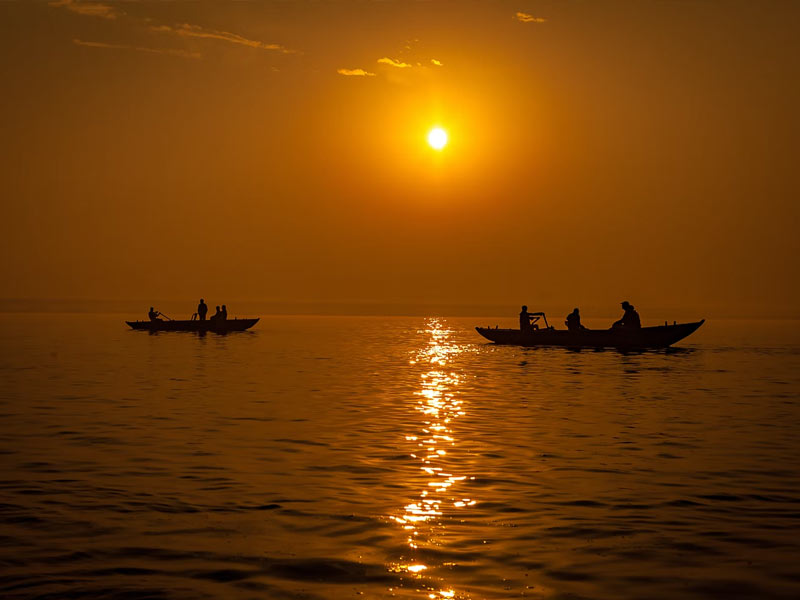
(660, 336)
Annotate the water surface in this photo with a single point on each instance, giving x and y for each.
(403, 457)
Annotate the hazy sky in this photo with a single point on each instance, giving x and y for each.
(276, 151)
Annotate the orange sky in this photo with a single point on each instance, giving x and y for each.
(598, 151)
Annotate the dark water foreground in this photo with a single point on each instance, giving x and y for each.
(344, 457)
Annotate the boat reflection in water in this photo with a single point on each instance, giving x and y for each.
(432, 444)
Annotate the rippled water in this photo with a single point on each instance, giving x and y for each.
(401, 457)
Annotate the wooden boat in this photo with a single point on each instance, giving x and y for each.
(217, 326)
(646, 337)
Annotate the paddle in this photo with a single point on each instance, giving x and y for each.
(165, 316)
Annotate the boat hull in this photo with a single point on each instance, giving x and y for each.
(646, 337)
(201, 326)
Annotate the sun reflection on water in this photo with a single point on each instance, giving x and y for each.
(440, 406)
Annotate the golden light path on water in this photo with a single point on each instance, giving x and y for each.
(440, 406)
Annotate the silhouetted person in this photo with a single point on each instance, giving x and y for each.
(217, 315)
(223, 314)
(153, 314)
(573, 321)
(202, 310)
(630, 319)
(525, 320)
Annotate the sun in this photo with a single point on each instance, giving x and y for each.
(437, 138)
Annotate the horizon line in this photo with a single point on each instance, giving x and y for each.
(369, 308)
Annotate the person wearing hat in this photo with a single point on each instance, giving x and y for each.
(630, 319)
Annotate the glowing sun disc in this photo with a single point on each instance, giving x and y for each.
(437, 138)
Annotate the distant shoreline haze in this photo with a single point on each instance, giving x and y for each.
(183, 309)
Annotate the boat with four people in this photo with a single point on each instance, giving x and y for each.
(216, 326)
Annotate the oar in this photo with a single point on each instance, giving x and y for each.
(165, 316)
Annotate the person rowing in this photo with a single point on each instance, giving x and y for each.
(153, 314)
(527, 320)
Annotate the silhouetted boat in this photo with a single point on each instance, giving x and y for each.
(646, 337)
(217, 326)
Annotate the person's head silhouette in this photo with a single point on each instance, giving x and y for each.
(524, 308)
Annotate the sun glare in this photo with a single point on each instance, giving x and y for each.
(437, 138)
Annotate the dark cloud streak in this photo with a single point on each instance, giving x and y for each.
(168, 51)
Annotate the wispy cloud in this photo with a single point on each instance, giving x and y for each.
(526, 18)
(394, 63)
(170, 51)
(195, 31)
(94, 8)
(355, 73)
(436, 62)
(89, 9)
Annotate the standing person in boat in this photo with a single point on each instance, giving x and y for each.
(525, 320)
(153, 314)
(573, 321)
(202, 310)
(630, 319)
(223, 314)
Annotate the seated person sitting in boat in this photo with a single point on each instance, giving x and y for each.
(630, 319)
(217, 315)
(527, 321)
(573, 321)
(153, 314)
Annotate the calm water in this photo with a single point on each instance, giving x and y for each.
(337, 457)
